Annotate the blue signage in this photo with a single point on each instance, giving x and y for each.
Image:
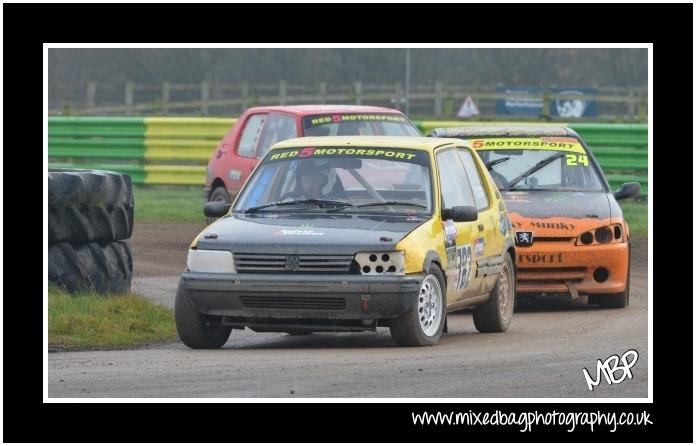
(517, 102)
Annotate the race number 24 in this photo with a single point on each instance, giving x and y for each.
(573, 160)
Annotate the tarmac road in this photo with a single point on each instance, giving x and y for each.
(542, 355)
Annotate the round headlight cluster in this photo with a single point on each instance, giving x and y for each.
(586, 238)
(603, 235)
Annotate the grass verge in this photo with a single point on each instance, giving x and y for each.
(169, 203)
(92, 321)
(636, 214)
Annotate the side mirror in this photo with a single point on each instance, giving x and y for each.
(216, 208)
(627, 190)
(460, 213)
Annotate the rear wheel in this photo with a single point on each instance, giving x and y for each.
(423, 322)
(495, 314)
(218, 194)
(197, 330)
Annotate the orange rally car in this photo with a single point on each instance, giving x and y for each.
(569, 229)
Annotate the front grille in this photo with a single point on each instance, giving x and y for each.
(292, 302)
(282, 263)
(540, 276)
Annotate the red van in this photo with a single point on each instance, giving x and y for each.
(260, 127)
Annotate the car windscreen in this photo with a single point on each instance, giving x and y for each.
(346, 179)
(350, 124)
(547, 163)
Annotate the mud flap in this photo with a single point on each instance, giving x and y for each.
(577, 298)
(572, 290)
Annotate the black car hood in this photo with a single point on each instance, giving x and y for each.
(557, 214)
(307, 233)
(548, 204)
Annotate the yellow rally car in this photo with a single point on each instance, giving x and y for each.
(570, 232)
(351, 234)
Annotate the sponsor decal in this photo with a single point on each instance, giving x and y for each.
(235, 175)
(555, 197)
(303, 230)
(535, 258)
(524, 238)
(549, 225)
(308, 152)
(528, 144)
(504, 223)
(331, 119)
(450, 233)
(479, 245)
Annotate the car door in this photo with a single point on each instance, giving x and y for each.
(455, 190)
(488, 236)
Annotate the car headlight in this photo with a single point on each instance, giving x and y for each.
(210, 261)
(601, 235)
(381, 263)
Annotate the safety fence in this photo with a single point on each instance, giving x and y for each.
(176, 150)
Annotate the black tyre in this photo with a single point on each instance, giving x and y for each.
(218, 194)
(89, 205)
(91, 267)
(421, 325)
(197, 330)
(495, 314)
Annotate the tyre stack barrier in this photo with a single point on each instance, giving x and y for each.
(90, 219)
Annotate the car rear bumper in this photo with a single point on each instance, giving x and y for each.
(555, 267)
(301, 300)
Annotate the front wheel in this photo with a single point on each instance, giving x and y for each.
(495, 314)
(421, 325)
(197, 330)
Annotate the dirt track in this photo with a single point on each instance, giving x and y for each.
(542, 355)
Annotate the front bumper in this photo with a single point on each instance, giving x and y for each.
(301, 299)
(555, 267)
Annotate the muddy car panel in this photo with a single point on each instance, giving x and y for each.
(275, 283)
(559, 251)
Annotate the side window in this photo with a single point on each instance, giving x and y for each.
(278, 128)
(454, 185)
(250, 135)
(480, 196)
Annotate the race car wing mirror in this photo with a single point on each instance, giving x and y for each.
(460, 213)
(627, 190)
(216, 208)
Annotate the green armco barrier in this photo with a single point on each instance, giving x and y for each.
(117, 148)
(136, 172)
(176, 150)
(86, 127)
(151, 150)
